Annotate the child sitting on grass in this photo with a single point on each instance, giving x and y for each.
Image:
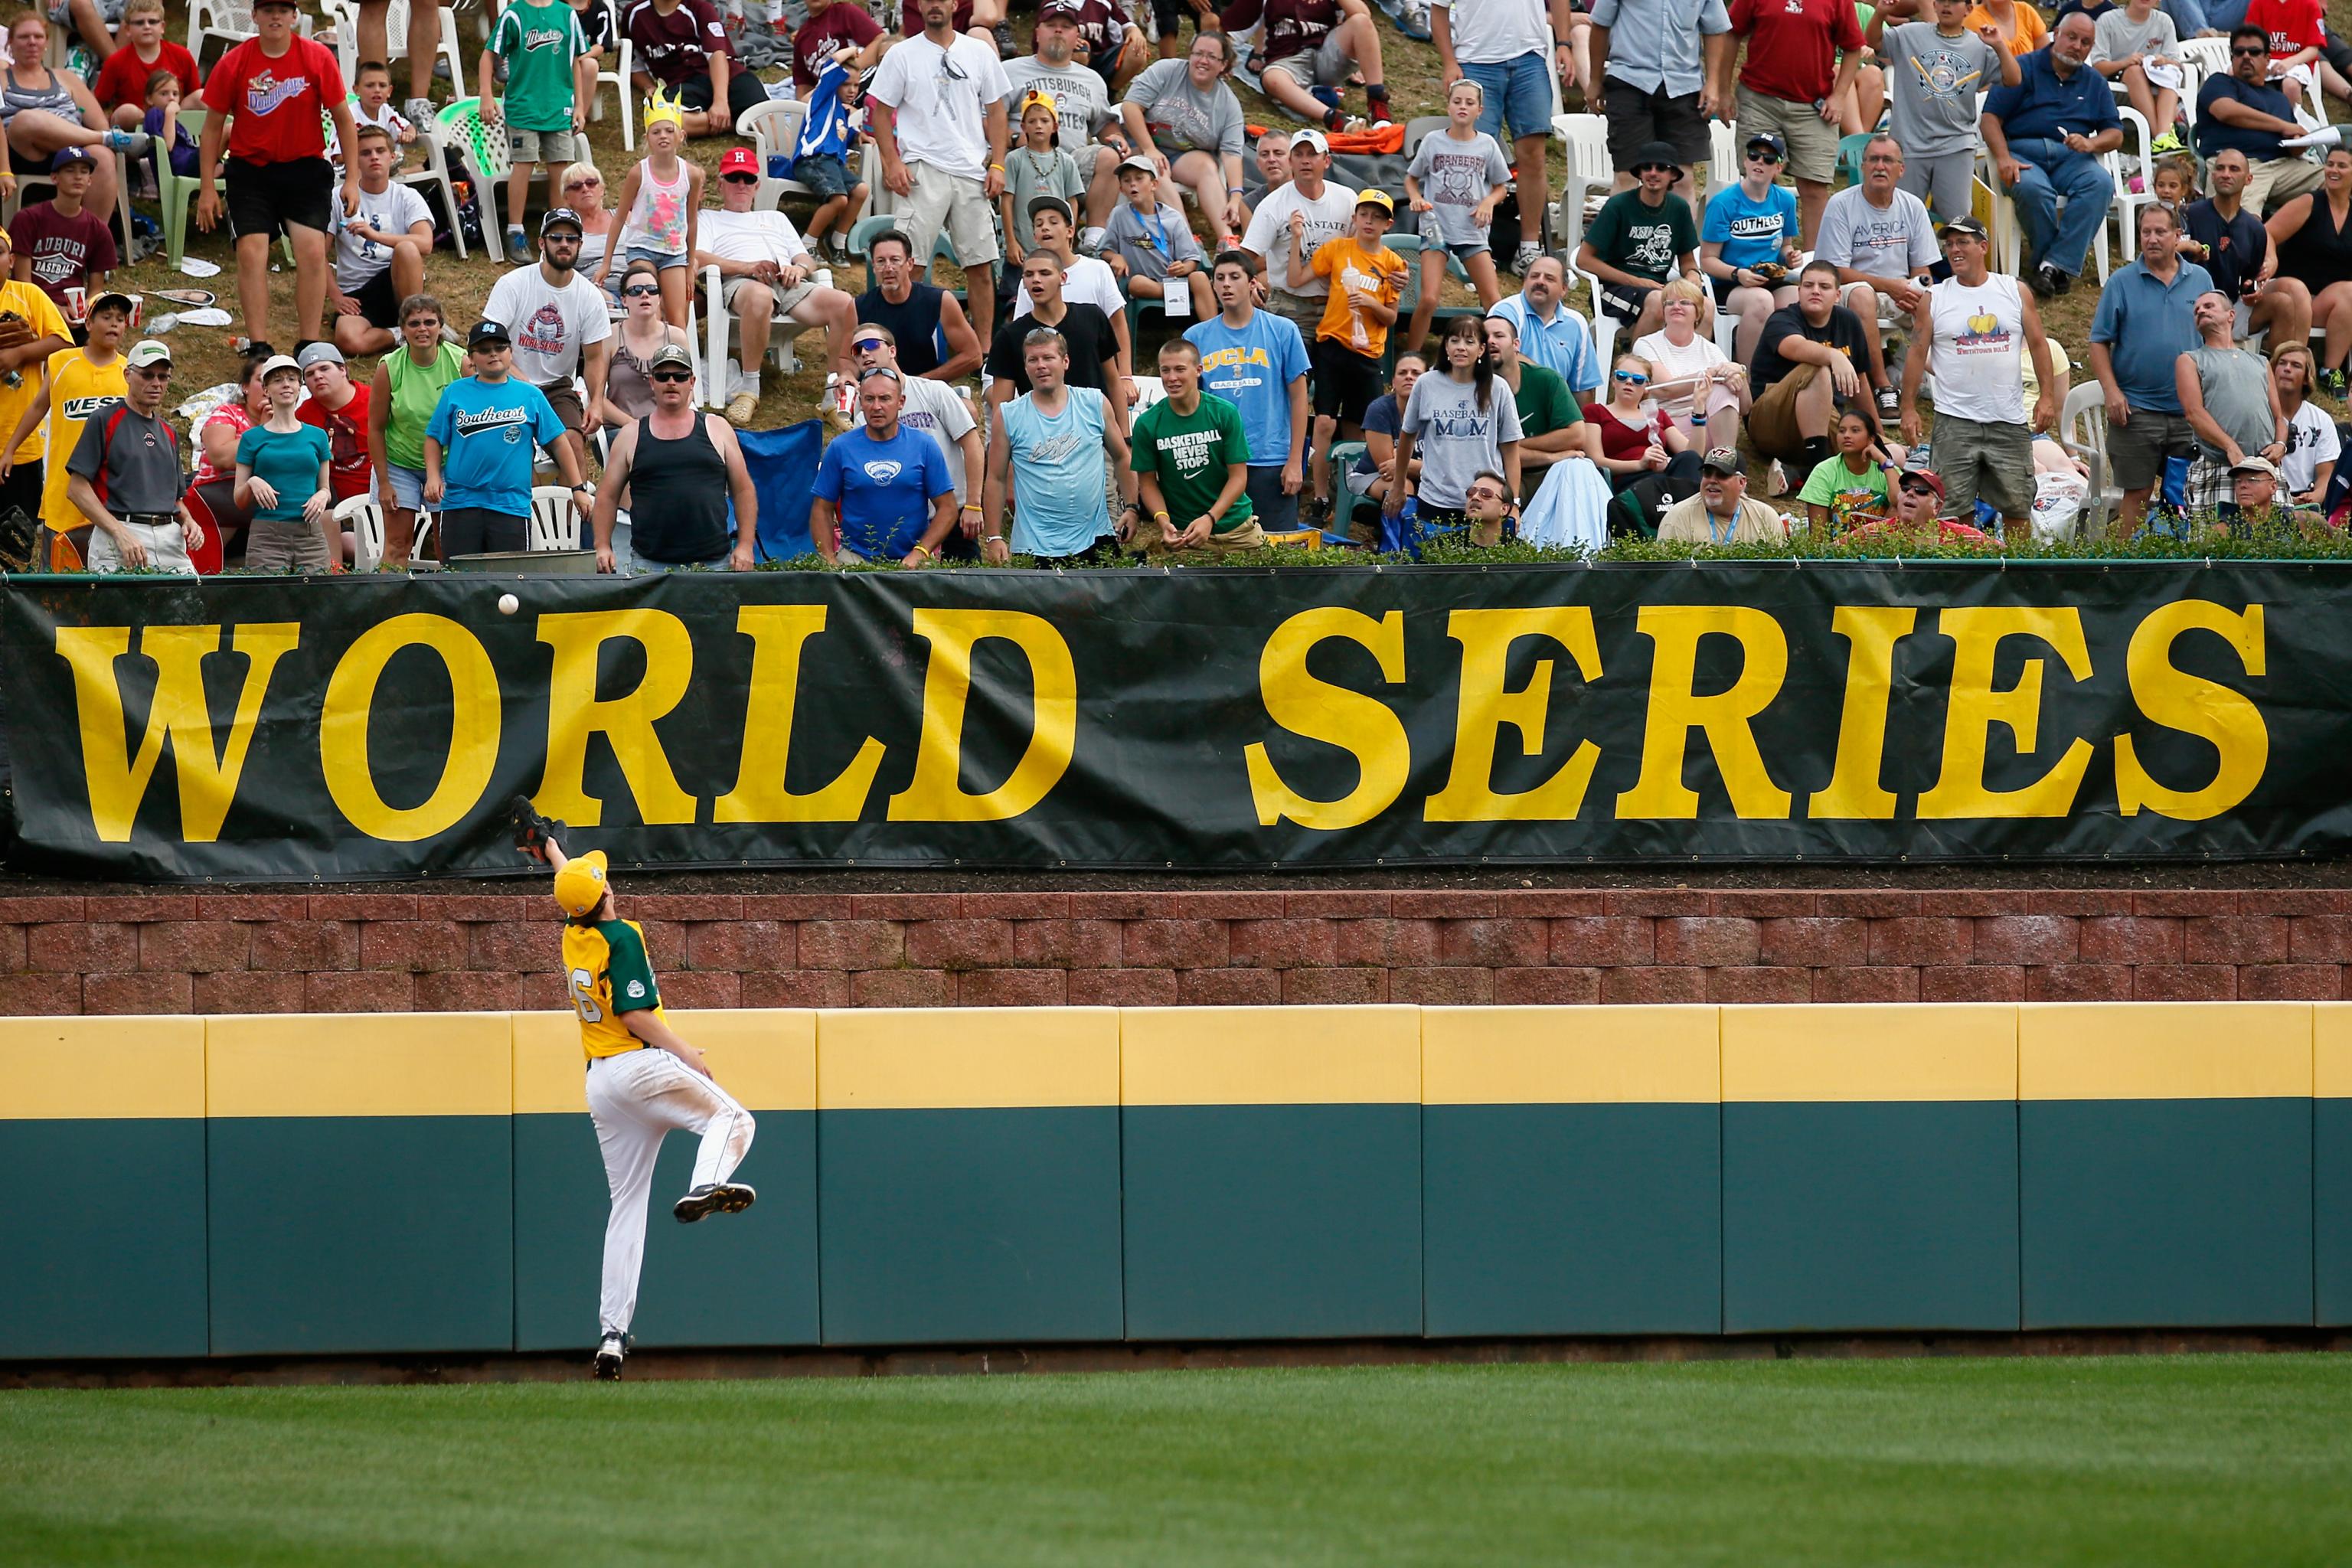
(549, 80)
(1154, 243)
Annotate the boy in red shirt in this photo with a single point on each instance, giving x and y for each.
(338, 405)
(121, 85)
(266, 97)
(1801, 56)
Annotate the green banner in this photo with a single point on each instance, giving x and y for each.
(260, 729)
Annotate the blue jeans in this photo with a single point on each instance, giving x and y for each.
(1518, 90)
(2062, 238)
(2190, 16)
(2223, 14)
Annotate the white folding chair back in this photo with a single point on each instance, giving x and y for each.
(363, 515)
(624, 64)
(1588, 170)
(2082, 431)
(2210, 56)
(346, 25)
(554, 519)
(1605, 327)
(433, 174)
(2134, 160)
(1722, 157)
(773, 129)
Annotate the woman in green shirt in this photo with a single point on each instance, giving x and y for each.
(408, 383)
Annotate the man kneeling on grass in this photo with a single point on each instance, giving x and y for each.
(1191, 463)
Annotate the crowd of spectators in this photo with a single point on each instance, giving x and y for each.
(1864, 357)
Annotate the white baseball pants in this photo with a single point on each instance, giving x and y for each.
(636, 1098)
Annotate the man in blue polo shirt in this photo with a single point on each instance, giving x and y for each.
(2045, 135)
(1256, 361)
(2242, 111)
(2147, 321)
(1550, 334)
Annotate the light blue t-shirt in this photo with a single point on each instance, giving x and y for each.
(1252, 368)
(288, 462)
(1058, 478)
(883, 490)
(1750, 232)
(1563, 346)
(487, 433)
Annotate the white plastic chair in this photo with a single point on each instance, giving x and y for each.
(2082, 431)
(363, 515)
(717, 370)
(2133, 160)
(231, 21)
(2211, 57)
(773, 129)
(624, 66)
(1588, 170)
(554, 519)
(1722, 157)
(1605, 327)
(486, 159)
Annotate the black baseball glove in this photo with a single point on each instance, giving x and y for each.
(532, 832)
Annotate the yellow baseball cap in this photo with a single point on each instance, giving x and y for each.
(581, 885)
(1038, 97)
(1373, 196)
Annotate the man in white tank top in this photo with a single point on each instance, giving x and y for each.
(1966, 331)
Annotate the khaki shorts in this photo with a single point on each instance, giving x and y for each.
(1304, 311)
(786, 299)
(1773, 422)
(1246, 536)
(942, 201)
(1812, 141)
(556, 147)
(1326, 64)
(564, 396)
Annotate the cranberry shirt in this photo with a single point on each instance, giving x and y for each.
(124, 78)
(349, 468)
(1292, 26)
(276, 104)
(673, 47)
(1102, 31)
(845, 24)
(1793, 45)
(64, 251)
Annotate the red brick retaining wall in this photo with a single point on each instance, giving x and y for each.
(206, 952)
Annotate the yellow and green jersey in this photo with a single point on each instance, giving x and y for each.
(608, 973)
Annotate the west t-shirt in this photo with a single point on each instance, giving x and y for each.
(549, 326)
(346, 430)
(487, 433)
(882, 491)
(1252, 368)
(275, 102)
(76, 388)
(64, 252)
(1189, 454)
(1085, 328)
(539, 43)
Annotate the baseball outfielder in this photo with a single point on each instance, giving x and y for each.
(643, 1079)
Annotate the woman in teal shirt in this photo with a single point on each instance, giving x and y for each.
(282, 479)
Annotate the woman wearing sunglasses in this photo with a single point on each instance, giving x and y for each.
(584, 192)
(1748, 241)
(628, 388)
(1638, 439)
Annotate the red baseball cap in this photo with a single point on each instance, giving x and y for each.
(738, 161)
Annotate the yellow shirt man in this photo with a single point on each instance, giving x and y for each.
(40, 313)
(76, 386)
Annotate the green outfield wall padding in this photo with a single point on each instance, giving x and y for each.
(1869, 1213)
(972, 1226)
(361, 1234)
(1571, 1219)
(1272, 1221)
(732, 1280)
(2167, 1213)
(103, 1238)
(2331, 1187)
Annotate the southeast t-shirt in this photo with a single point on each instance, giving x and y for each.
(288, 462)
(1189, 454)
(1750, 229)
(882, 491)
(1841, 332)
(539, 43)
(485, 432)
(65, 252)
(1645, 240)
(276, 103)
(1252, 368)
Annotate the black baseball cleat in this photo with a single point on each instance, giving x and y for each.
(610, 1353)
(727, 1198)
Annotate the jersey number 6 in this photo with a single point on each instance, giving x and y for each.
(584, 997)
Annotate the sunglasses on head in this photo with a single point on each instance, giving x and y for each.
(671, 372)
(1631, 377)
(638, 290)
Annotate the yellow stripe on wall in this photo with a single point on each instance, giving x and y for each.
(2167, 1051)
(1270, 1056)
(360, 1064)
(1857, 1052)
(101, 1068)
(925, 1058)
(1570, 1055)
(767, 1060)
(2331, 1051)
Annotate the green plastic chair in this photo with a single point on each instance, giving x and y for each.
(486, 155)
(178, 191)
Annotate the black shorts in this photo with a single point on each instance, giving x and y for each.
(744, 91)
(1638, 118)
(379, 302)
(1168, 15)
(1346, 382)
(475, 530)
(266, 197)
(1624, 300)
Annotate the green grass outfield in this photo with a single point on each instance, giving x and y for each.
(2128, 1460)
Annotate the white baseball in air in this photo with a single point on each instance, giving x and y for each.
(509, 603)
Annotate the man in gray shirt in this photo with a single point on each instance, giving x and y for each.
(1880, 239)
(1091, 132)
(126, 476)
(1936, 71)
(2230, 401)
(1659, 68)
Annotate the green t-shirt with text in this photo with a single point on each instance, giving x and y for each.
(540, 43)
(1189, 456)
(1846, 493)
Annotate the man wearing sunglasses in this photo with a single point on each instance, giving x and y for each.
(124, 474)
(882, 491)
(562, 326)
(2244, 112)
(690, 466)
(931, 408)
(765, 274)
(1640, 238)
(2046, 135)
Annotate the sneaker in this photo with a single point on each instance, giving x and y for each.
(1091, 242)
(1775, 479)
(518, 247)
(2044, 280)
(418, 113)
(1890, 407)
(727, 1198)
(1005, 46)
(1379, 111)
(611, 1351)
(741, 406)
(837, 248)
(2170, 142)
(129, 143)
(1528, 254)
